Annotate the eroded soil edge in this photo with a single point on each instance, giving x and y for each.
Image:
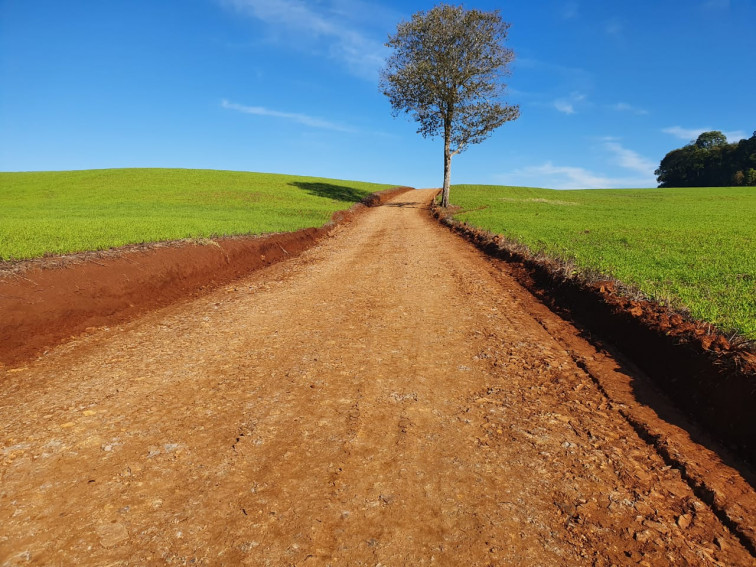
(47, 301)
(696, 369)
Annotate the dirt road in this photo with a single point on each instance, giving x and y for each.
(386, 398)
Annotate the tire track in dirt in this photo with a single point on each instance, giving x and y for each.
(381, 399)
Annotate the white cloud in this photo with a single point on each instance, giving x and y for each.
(560, 81)
(332, 26)
(567, 105)
(684, 133)
(293, 14)
(303, 119)
(564, 106)
(735, 136)
(630, 159)
(690, 134)
(569, 177)
(641, 172)
(624, 107)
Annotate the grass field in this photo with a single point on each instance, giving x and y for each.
(693, 248)
(56, 212)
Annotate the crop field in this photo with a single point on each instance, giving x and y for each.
(56, 212)
(692, 248)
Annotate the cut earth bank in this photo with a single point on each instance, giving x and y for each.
(47, 301)
(705, 374)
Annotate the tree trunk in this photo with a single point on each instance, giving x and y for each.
(447, 167)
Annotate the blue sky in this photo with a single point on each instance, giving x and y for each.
(605, 89)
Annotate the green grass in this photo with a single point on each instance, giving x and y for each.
(56, 212)
(692, 248)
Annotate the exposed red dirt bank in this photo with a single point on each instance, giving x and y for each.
(44, 302)
(388, 397)
(705, 375)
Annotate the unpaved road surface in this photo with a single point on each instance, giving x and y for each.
(384, 399)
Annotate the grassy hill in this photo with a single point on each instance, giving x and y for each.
(56, 212)
(693, 248)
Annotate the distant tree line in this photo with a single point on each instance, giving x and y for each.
(710, 162)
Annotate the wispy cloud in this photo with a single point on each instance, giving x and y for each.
(640, 171)
(624, 107)
(689, 134)
(558, 80)
(304, 119)
(684, 133)
(735, 135)
(567, 105)
(329, 25)
(564, 106)
(569, 177)
(630, 159)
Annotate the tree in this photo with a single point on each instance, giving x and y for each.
(709, 140)
(676, 169)
(709, 162)
(446, 72)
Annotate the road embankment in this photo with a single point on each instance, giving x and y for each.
(709, 378)
(44, 302)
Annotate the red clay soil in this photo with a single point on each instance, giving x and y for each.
(47, 301)
(711, 379)
(391, 396)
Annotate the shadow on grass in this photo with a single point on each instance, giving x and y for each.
(330, 191)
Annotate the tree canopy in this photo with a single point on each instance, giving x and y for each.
(710, 161)
(446, 72)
